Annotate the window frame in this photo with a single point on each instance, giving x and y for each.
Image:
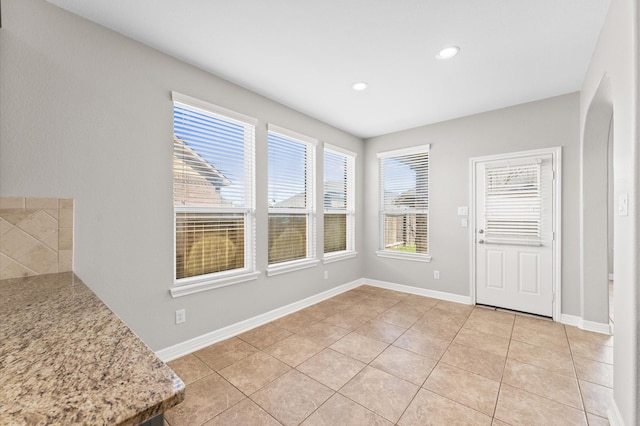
(310, 260)
(198, 283)
(348, 210)
(382, 213)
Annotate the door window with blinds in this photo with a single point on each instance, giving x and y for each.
(404, 203)
(338, 201)
(213, 182)
(291, 161)
(513, 203)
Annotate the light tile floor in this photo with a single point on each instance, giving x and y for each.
(373, 356)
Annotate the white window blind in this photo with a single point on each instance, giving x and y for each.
(338, 201)
(213, 175)
(513, 201)
(404, 186)
(291, 159)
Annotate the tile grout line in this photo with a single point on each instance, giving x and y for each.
(495, 407)
(575, 371)
(428, 375)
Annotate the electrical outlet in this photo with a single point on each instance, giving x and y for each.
(436, 275)
(326, 275)
(181, 316)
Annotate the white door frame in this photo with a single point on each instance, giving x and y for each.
(556, 154)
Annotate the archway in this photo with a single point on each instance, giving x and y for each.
(594, 212)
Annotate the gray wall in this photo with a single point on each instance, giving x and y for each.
(612, 82)
(86, 114)
(547, 123)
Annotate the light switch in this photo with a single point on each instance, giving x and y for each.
(623, 205)
(463, 211)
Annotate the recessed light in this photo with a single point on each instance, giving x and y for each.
(448, 52)
(360, 86)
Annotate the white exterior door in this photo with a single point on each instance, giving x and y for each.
(514, 233)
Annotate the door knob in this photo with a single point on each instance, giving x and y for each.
(481, 231)
(480, 241)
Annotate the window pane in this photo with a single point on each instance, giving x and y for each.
(213, 184)
(513, 201)
(406, 233)
(335, 181)
(406, 181)
(208, 243)
(287, 172)
(291, 175)
(404, 186)
(335, 232)
(209, 160)
(287, 237)
(338, 200)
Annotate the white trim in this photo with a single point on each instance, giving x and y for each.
(211, 283)
(613, 413)
(205, 106)
(337, 256)
(339, 150)
(610, 277)
(570, 320)
(272, 128)
(290, 210)
(207, 209)
(557, 232)
(192, 345)
(556, 154)
(595, 327)
(405, 151)
(450, 297)
(404, 256)
(294, 265)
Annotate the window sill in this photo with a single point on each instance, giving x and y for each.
(404, 256)
(338, 256)
(211, 283)
(295, 265)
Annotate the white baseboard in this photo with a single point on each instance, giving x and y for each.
(570, 320)
(192, 345)
(419, 291)
(596, 327)
(613, 413)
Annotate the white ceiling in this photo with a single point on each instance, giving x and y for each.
(306, 54)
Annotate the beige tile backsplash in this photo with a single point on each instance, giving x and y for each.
(36, 236)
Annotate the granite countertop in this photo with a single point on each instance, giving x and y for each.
(66, 359)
